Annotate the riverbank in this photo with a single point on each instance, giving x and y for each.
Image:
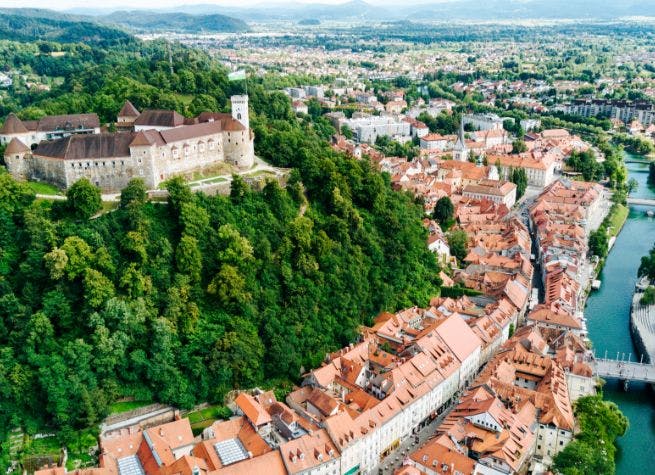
(608, 313)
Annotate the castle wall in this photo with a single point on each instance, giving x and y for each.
(19, 165)
(239, 148)
(108, 174)
(182, 157)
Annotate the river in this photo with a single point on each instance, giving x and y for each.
(608, 314)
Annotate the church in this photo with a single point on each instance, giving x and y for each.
(153, 145)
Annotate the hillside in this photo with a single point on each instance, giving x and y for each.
(143, 21)
(33, 25)
(181, 303)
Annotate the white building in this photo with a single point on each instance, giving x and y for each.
(483, 121)
(368, 129)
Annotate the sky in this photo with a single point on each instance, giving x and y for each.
(66, 4)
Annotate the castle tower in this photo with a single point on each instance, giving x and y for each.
(240, 110)
(18, 158)
(460, 151)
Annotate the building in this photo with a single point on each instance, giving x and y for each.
(460, 151)
(368, 129)
(540, 172)
(483, 121)
(32, 132)
(494, 190)
(163, 144)
(625, 111)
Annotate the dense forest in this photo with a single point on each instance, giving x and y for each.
(184, 301)
(21, 27)
(179, 22)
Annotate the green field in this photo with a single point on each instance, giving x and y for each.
(124, 406)
(44, 188)
(616, 218)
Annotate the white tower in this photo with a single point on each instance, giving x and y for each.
(240, 110)
(460, 151)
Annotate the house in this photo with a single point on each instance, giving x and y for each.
(494, 190)
(32, 132)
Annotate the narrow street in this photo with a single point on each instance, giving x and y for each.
(409, 445)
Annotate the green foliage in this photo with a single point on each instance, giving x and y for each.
(592, 451)
(134, 193)
(83, 199)
(649, 296)
(444, 213)
(519, 177)
(635, 144)
(519, 146)
(647, 266)
(585, 163)
(39, 25)
(183, 303)
(457, 241)
(599, 242)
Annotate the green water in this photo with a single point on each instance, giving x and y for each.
(608, 314)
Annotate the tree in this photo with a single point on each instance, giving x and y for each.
(632, 185)
(520, 178)
(444, 212)
(134, 194)
(189, 258)
(346, 131)
(83, 199)
(592, 451)
(651, 173)
(599, 242)
(519, 146)
(649, 296)
(457, 241)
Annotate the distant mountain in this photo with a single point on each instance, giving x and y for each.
(142, 21)
(531, 9)
(270, 11)
(488, 10)
(36, 24)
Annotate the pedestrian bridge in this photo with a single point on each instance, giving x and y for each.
(624, 370)
(641, 201)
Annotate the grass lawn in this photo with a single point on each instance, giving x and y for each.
(617, 218)
(210, 413)
(44, 188)
(124, 406)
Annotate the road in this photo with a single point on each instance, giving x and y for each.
(395, 459)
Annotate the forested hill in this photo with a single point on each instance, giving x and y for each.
(33, 25)
(143, 21)
(30, 24)
(181, 303)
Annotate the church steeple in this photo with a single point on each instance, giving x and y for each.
(460, 152)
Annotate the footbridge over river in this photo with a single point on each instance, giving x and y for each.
(626, 371)
(641, 201)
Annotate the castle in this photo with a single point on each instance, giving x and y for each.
(153, 145)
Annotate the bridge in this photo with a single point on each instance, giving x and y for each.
(624, 370)
(641, 202)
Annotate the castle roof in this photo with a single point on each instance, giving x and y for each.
(78, 147)
(13, 125)
(16, 146)
(128, 110)
(160, 118)
(63, 122)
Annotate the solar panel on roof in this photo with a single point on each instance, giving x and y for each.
(230, 451)
(130, 466)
